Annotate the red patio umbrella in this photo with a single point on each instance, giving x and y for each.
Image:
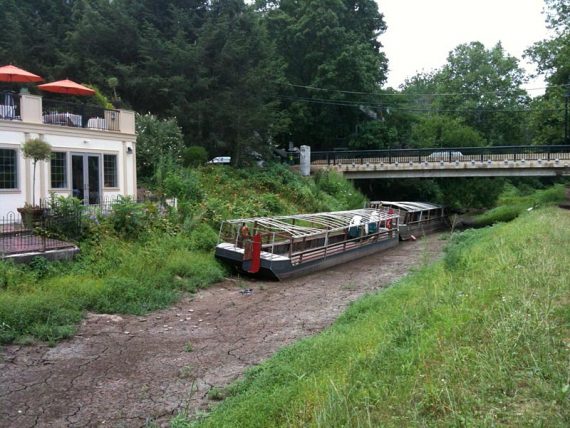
(10, 73)
(66, 87)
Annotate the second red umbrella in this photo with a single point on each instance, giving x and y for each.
(66, 87)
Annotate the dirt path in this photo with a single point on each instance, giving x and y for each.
(129, 371)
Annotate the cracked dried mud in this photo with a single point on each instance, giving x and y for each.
(128, 370)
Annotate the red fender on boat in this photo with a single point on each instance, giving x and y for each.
(255, 254)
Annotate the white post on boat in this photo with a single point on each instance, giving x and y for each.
(220, 233)
(326, 243)
(305, 161)
(272, 250)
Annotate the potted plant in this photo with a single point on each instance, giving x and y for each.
(37, 150)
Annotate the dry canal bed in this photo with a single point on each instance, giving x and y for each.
(130, 370)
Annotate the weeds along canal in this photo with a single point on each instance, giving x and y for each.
(131, 370)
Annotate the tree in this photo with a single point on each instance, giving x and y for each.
(331, 45)
(235, 104)
(37, 150)
(443, 131)
(158, 140)
(194, 156)
(483, 88)
(552, 58)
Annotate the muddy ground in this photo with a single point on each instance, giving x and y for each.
(131, 370)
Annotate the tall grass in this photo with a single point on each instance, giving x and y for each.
(478, 339)
(46, 300)
(138, 259)
(513, 202)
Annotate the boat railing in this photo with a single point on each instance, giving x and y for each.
(323, 251)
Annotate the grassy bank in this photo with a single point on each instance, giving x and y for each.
(513, 202)
(478, 339)
(138, 260)
(47, 300)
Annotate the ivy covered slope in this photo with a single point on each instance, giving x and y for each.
(216, 193)
(477, 339)
(138, 259)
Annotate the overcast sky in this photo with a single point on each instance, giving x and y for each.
(421, 33)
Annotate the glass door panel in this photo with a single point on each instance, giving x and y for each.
(77, 177)
(86, 178)
(93, 178)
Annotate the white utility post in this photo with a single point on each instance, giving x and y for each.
(305, 161)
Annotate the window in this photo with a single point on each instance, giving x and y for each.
(8, 169)
(58, 170)
(110, 170)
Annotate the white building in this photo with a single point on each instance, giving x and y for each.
(93, 151)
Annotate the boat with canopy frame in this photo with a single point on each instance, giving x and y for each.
(416, 218)
(284, 246)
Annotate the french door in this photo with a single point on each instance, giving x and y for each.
(86, 177)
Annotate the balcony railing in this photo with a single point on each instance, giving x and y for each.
(9, 106)
(80, 115)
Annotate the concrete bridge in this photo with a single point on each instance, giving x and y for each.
(501, 161)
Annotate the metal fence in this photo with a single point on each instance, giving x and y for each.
(54, 223)
(462, 154)
(80, 115)
(9, 105)
(38, 231)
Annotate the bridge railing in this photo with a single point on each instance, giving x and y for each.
(430, 155)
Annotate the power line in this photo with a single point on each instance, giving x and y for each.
(401, 94)
(359, 104)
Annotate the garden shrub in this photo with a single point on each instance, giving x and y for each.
(194, 156)
(203, 238)
(183, 184)
(127, 217)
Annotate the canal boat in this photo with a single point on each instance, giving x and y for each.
(285, 246)
(415, 218)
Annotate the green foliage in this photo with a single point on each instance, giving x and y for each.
(127, 217)
(460, 193)
(375, 135)
(99, 98)
(10, 275)
(235, 70)
(157, 140)
(194, 156)
(203, 238)
(183, 184)
(36, 149)
(139, 257)
(66, 217)
(47, 299)
(443, 131)
(514, 202)
(327, 44)
(480, 82)
(339, 192)
(475, 340)
(552, 56)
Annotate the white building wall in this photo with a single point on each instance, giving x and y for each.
(67, 140)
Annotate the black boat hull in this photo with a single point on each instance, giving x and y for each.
(282, 268)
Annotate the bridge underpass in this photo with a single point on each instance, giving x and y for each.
(504, 161)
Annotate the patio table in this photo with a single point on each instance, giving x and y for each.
(97, 123)
(67, 119)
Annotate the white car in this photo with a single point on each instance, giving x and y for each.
(445, 156)
(221, 160)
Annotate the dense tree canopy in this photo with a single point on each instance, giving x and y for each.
(482, 88)
(241, 77)
(552, 57)
(331, 45)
